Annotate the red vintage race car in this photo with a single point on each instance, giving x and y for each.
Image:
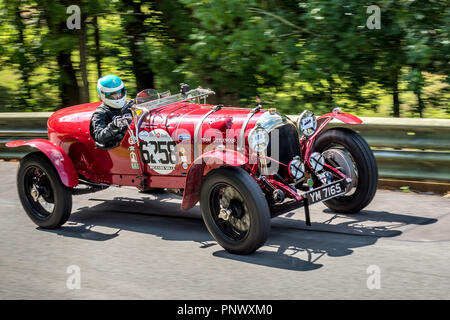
(243, 165)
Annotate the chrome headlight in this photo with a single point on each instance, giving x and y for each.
(296, 169)
(317, 161)
(258, 139)
(307, 123)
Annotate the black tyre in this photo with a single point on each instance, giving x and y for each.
(363, 164)
(235, 210)
(46, 200)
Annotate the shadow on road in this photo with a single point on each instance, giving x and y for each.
(291, 245)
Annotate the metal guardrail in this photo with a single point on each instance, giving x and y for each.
(21, 126)
(409, 149)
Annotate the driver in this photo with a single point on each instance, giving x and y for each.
(109, 124)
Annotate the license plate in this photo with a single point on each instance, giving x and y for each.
(326, 192)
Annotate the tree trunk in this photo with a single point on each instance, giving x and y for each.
(69, 90)
(24, 63)
(395, 96)
(172, 12)
(68, 86)
(144, 75)
(82, 45)
(330, 91)
(136, 34)
(98, 57)
(421, 105)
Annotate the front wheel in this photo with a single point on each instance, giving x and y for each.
(362, 168)
(235, 210)
(46, 200)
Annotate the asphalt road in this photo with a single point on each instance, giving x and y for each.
(128, 245)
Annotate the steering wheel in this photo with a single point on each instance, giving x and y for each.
(127, 106)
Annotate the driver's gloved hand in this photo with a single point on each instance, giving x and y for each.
(128, 118)
(120, 122)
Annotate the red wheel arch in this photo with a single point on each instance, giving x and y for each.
(60, 160)
(202, 165)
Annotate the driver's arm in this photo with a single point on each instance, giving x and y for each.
(104, 132)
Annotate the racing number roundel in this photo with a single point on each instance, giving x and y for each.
(159, 151)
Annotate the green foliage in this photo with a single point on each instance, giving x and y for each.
(294, 54)
(231, 50)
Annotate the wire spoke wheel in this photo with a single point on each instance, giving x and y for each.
(230, 211)
(339, 157)
(347, 151)
(39, 192)
(46, 200)
(234, 210)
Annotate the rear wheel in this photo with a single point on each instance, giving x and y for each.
(344, 143)
(46, 200)
(235, 210)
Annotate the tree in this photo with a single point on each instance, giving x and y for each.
(427, 48)
(295, 54)
(61, 42)
(340, 55)
(21, 53)
(136, 30)
(231, 51)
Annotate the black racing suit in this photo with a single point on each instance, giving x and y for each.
(103, 129)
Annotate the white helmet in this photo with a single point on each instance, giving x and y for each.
(111, 91)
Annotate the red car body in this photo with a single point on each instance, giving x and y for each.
(72, 150)
(175, 145)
